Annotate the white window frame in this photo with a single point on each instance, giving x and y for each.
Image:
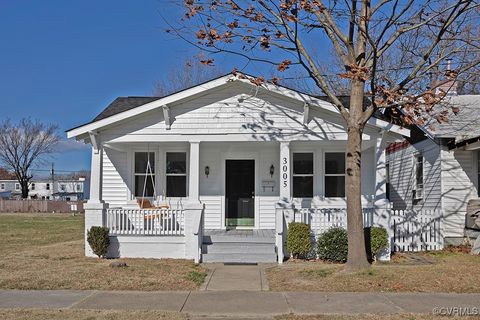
(332, 174)
(63, 187)
(47, 186)
(303, 174)
(17, 186)
(186, 174)
(418, 189)
(155, 169)
(2, 186)
(78, 187)
(32, 186)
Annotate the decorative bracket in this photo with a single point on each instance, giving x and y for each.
(306, 111)
(166, 116)
(95, 142)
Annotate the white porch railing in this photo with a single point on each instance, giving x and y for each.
(157, 222)
(417, 230)
(322, 219)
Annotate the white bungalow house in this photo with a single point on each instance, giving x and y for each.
(437, 168)
(224, 165)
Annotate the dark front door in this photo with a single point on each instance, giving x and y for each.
(240, 193)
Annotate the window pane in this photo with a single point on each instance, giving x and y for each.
(141, 159)
(176, 186)
(303, 187)
(335, 187)
(140, 184)
(335, 163)
(176, 162)
(419, 173)
(303, 163)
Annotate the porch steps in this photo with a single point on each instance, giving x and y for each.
(239, 247)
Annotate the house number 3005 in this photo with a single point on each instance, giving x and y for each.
(285, 172)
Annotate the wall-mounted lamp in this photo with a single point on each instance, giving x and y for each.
(207, 171)
(272, 170)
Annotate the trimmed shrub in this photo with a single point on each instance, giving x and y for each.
(98, 240)
(299, 242)
(332, 245)
(376, 239)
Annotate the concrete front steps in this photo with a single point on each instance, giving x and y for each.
(247, 247)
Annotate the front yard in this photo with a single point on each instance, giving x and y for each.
(450, 270)
(45, 251)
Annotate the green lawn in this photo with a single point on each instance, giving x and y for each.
(46, 251)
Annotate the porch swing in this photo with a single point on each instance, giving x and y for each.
(145, 203)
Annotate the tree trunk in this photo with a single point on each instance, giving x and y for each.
(24, 186)
(357, 255)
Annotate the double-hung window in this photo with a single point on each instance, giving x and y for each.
(144, 174)
(418, 165)
(32, 186)
(176, 174)
(335, 174)
(302, 175)
(17, 186)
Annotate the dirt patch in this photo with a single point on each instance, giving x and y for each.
(443, 271)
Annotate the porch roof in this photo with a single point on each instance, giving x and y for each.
(125, 107)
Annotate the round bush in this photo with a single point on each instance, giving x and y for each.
(299, 243)
(332, 245)
(97, 238)
(378, 240)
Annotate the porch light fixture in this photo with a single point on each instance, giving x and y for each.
(207, 171)
(272, 170)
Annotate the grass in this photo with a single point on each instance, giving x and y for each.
(403, 316)
(36, 314)
(450, 270)
(46, 251)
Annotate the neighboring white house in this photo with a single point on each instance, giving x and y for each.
(44, 189)
(223, 155)
(437, 168)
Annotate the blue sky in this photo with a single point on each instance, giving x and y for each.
(63, 61)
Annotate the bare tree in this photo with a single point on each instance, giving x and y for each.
(389, 50)
(23, 145)
(194, 71)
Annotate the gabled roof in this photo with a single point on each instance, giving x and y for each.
(122, 104)
(462, 126)
(126, 107)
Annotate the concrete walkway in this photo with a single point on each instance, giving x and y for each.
(239, 303)
(236, 277)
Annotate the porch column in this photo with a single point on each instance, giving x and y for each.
(194, 172)
(382, 206)
(96, 176)
(381, 169)
(285, 194)
(95, 208)
(194, 209)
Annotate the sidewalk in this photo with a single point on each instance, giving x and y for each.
(238, 303)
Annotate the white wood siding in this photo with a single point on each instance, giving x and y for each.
(458, 176)
(115, 175)
(402, 176)
(234, 109)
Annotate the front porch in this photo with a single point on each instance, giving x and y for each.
(229, 187)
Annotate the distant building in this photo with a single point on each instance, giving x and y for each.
(44, 189)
